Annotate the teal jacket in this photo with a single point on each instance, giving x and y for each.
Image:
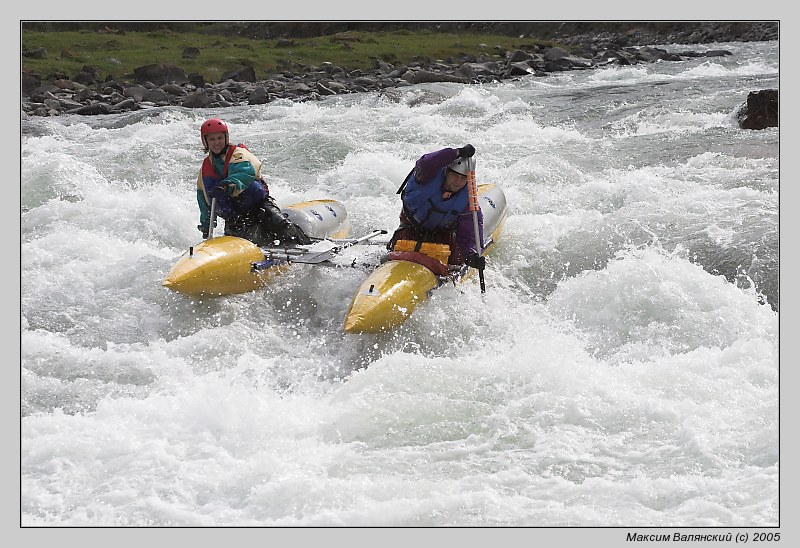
(234, 178)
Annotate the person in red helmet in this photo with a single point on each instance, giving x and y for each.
(232, 175)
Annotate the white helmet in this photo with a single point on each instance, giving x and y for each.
(463, 165)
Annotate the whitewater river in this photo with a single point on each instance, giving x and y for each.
(621, 369)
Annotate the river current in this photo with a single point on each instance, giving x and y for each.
(621, 369)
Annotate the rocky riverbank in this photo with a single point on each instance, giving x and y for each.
(163, 85)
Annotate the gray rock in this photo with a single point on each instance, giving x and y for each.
(69, 104)
(109, 87)
(760, 111)
(426, 76)
(136, 92)
(258, 96)
(231, 85)
(245, 74)
(613, 57)
(114, 98)
(518, 69)
(717, 53)
(198, 99)
(324, 90)
(156, 95)
(63, 83)
(174, 89)
(126, 104)
(555, 54)
(651, 55)
(519, 55)
(366, 81)
(159, 74)
(298, 88)
(86, 94)
(336, 87)
(227, 95)
(91, 109)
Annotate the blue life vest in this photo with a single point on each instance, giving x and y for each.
(227, 206)
(423, 203)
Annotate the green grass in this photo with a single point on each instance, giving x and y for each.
(117, 54)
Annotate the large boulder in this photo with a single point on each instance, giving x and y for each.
(258, 96)
(198, 99)
(157, 95)
(651, 55)
(160, 74)
(760, 111)
(244, 74)
(136, 92)
(29, 82)
(557, 59)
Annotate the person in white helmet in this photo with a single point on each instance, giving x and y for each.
(232, 175)
(436, 205)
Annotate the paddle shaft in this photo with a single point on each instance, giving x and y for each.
(475, 207)
(305, 255)
(211, 218)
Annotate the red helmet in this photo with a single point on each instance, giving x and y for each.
(213, 125)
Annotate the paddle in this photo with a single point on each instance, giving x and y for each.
(315, 253)
(474, 208)
(211, 218)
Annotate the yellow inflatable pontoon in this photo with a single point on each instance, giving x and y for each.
(227, 265)
(392, 291)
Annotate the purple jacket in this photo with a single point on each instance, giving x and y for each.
(426, 169)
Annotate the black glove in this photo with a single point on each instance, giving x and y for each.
(217, 192)
(476, 261)
(467, 151)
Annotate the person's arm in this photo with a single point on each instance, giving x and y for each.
(240, 176)
(429, 164)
